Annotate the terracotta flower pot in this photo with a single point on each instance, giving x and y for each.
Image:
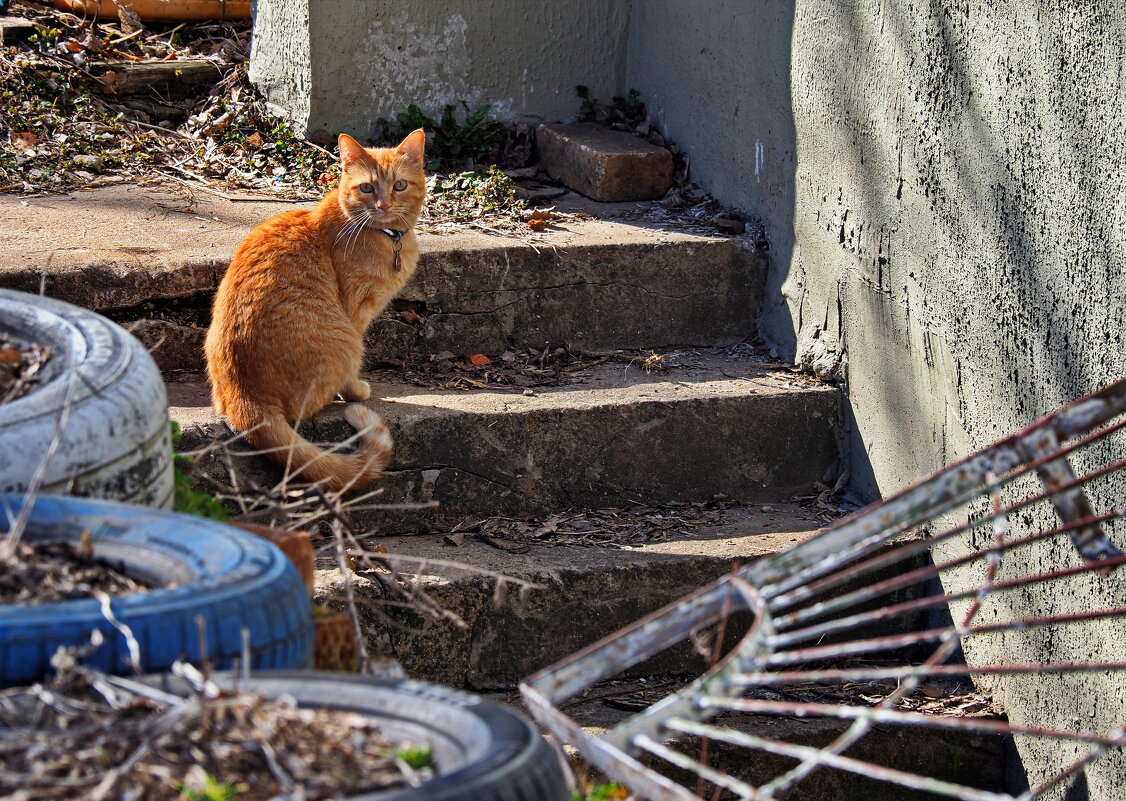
(334, 641)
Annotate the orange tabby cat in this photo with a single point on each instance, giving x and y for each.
(287, 330)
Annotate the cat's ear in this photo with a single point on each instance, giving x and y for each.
(351, 151)
(413, 146)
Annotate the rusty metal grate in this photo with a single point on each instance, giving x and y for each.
(988, 562)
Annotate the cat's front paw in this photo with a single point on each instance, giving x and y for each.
(356, 390)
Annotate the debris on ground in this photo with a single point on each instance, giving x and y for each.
(85, 734)
(77, 113)
(629, 526)
(59, 571)
(531, 367)
(950, 697)
(72, 119)
(21, 367)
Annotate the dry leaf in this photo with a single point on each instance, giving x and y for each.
(109, 81)
(86, 545)
(537, 225)
(409, 317)
(23, 141)
(454, 539)
(9, 356)
(480, 359)
(254, 140)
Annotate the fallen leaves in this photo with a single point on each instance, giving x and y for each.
(39, 573)
(23, 142)
(20, 367)
(605, 528)
(86, 735)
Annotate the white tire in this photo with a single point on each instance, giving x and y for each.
(116, 443)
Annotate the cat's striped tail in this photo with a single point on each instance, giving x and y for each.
(309, 464)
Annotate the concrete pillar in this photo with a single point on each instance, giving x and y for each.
(341, 65)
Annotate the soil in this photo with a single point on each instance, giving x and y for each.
(61, 571)
(20, 366)
(97, 737)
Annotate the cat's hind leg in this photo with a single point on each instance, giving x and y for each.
(356, 390)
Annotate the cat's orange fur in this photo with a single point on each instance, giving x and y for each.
(287, 329)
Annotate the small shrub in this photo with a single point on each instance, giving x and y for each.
(450, 144)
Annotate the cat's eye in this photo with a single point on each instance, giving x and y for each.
(400, 185)
(367, 189)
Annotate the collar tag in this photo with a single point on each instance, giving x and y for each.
(396, 238)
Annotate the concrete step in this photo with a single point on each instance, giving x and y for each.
(973, 759)
(714, 422)
(586, 283)
(575, 594)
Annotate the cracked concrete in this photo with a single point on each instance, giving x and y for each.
(582, 594)
(595, 284)
(724, 426)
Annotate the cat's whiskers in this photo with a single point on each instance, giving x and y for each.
(353, 230)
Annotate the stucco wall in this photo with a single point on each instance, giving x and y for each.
(943, 188)
(369, 60)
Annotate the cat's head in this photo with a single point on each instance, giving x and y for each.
(383, 186)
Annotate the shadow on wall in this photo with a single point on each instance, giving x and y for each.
(715, 76)
(955, 220)
(958, 222)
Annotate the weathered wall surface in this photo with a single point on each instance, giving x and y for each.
(950, 208)
(370, 60)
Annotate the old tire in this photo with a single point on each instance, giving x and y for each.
(230, 578)
(482, 750)
(116, 443)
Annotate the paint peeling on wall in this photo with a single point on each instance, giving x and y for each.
(430, 69)
(370, 60)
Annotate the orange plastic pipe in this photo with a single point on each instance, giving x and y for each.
(161, 10)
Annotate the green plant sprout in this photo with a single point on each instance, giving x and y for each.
(212, 790)
(450, 144)
(416, 756)
(628, 110)
(187, 499)
(610, 791)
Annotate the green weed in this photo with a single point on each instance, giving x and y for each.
(417, 756)
(212, 790)
(188, 499)
(628, 110)
(450, 144)
(469, 195)
(610, 791)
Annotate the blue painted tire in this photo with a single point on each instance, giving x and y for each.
(231, 578)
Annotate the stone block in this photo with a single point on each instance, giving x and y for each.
(603, 164)
(15, 29)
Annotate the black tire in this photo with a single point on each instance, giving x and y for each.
(232, 579)
(116, 443)
(483, 751)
